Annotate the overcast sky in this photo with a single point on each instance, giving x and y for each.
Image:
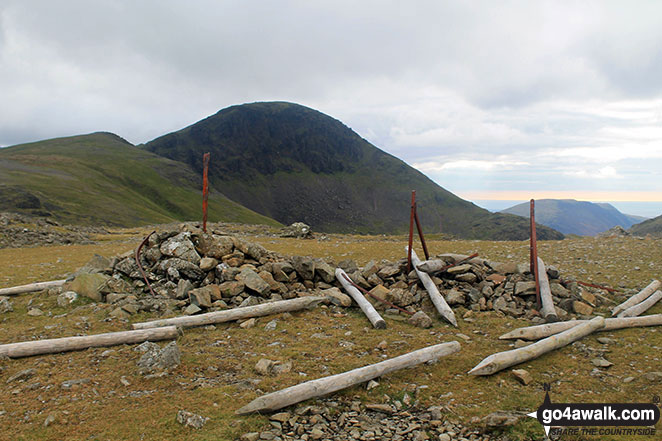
(491, 99)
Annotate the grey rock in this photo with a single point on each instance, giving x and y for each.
(253, 282)
(184, 267)
(180, 246)
(253, 250)
(559, 290)
(304, 266)
(200, 297)
(68, 384)
(454, 297)
(523, 376)
(298, 230)
(475, 295)
(271, 326)
(35, 312)
(5, 305)
(337, 297)
(190, 419)
(525, 288)
(249, 301)
(22, 375)
(231, 289)
(601, 362)
(370, 269)
(388, 271)
(459, 269)
(325, 271)
(183, 288)
(421, 320)
(500, 304)
(214, 246)
(466, 277)
(156, 359)
(208, 263)
(192, 309)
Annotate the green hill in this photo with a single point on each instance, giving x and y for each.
(102, 179)
(292, 163)
(575, 217)
(650, 226)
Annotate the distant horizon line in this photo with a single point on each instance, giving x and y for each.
(589, 196)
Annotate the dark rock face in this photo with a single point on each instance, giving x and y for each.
(295, 164)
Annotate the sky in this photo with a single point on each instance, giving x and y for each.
(493, 100)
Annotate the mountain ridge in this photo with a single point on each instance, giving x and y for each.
(293, 163)
(570, 216)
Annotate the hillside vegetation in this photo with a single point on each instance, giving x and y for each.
(292, 163)
(575, 217)
(102, 179)
(650, 226)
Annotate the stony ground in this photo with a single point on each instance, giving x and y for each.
(118, 393)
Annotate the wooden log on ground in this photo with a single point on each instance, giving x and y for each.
(547, 311)
(55, 345)
(541, 331)
(502, 360)
(367, 308)
(637, 298)
(229, 315)
(642, 307)
(31, 287)
(437, 299)
(326, 385)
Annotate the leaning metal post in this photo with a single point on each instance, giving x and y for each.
(411, 228)
(205, 190)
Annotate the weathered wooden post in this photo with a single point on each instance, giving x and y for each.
(370, 312)
(534, 251)
(437, 299)
(326, 385)
(548, 311)
(502, 360)
(637, 298)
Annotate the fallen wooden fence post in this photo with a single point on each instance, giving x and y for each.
(637, 298)
(548, 311)
(541, 331)
(326, 385)
(229, 315)
(55, 345)
(502, 360)
(444, 310)
(367, 308)
(32, 287)
(642, 307)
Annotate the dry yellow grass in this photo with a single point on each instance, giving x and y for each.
(217, 363)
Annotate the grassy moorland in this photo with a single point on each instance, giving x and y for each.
(218, 362)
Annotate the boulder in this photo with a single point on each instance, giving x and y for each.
(231, 289)
(88, 285)
(298, 230)
(325, 271)
(214, 246)
(180, 246)
(337, 297)
(421, 320)
(304, 266)
(254, 282)
(454, 297)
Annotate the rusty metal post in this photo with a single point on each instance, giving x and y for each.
(534, 252)
(420, 234)
(411, 228)
(205, 190)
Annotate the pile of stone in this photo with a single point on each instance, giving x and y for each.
(20, 230)
(194, 272)
(351, 421)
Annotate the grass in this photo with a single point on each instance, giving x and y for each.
(218, 362)
(99, 178)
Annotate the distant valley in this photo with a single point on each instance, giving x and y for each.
(576, 217)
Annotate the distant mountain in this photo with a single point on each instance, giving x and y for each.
(102, 179)
(293, 163)
(575, 217)
(650, 226)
